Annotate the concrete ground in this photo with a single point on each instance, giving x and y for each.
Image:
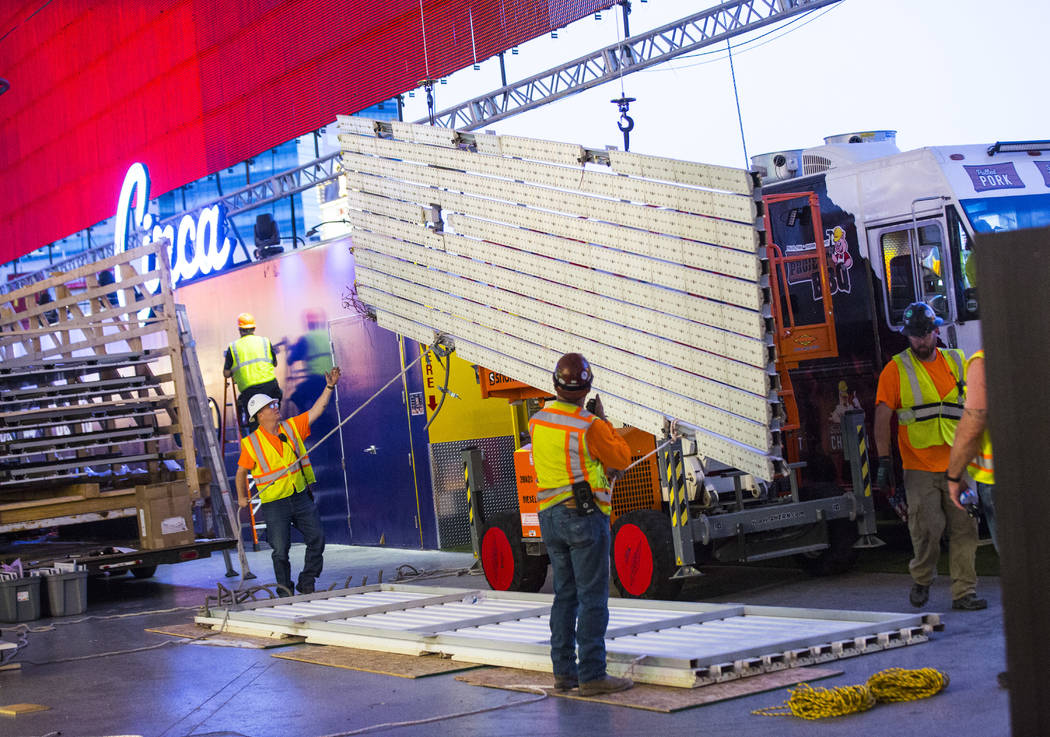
(181, 690)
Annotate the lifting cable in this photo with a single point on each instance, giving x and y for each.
(886, 686)
(673, 435)
(441, 350)
(623, 102)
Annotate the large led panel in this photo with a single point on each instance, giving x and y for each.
(522, 249)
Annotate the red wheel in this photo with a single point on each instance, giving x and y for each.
(503, 558)
(497, 559)
(633, 560)
(643, 556)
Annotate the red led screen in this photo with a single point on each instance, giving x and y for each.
(191, 86)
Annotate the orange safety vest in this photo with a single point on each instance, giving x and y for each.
(561, 457)
(271, 474)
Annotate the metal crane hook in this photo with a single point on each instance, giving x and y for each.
(626, 122)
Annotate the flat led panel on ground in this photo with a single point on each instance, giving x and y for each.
(683, 644)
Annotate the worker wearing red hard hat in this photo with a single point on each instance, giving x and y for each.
(250, 362)
(572, 448)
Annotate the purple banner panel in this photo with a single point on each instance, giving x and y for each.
(994, 176)
(1044, 169)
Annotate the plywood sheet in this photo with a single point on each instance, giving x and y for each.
(370, 661)
(651, 698)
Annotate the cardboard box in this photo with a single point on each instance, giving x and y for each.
(165, 515)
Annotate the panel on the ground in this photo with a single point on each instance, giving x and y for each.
(661, 642)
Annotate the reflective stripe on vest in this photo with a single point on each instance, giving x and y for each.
(252, 361)
(929, 419)
(271, 473)
(561, 457)
(982, 468)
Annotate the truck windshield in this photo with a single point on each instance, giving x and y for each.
(994, 214)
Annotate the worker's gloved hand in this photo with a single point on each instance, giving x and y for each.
(882, 478)
(594, 406)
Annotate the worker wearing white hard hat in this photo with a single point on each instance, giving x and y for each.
(275, 456)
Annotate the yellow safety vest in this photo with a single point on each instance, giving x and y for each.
(981, 468)
(561, 458)
(270, 464)
(318, 358)
(930, 419)
(252, 362)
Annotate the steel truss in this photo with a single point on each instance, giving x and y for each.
(616, 60)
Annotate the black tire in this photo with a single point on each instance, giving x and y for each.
(840, 555)
(143, 571)
(506, 565)
(643, 556)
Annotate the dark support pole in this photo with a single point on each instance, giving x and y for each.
(502, 69)
(295, 235)
(475, 467)
(1013, 271)
(626, 5)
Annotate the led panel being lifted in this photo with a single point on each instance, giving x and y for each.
(521, 249)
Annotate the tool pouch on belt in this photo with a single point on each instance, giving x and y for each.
(584, 497)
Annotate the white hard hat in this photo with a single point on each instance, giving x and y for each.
(257, 402)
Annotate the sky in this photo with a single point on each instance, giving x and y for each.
(937, 71)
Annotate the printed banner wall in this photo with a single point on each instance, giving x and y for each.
(192, 86)
(366, 492)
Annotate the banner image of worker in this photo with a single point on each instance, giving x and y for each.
(295, 300)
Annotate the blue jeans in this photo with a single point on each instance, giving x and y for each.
(986, 495)
(578, 547)
(299, 510)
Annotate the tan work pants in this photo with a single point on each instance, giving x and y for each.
(929, 510)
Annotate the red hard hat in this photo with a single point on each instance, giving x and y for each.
(572, 377)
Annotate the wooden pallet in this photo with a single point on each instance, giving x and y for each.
(91, 383)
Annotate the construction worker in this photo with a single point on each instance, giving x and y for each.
(275, 455)
(925, 385)
(570, 446)
(972, 449)
(250, 361)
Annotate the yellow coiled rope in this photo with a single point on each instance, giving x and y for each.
(892, 684)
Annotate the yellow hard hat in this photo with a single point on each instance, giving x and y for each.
(245, 321)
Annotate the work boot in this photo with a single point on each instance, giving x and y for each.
(565, 683)
(605, 684)
(305, 586)
(970, 603)
(919, 594)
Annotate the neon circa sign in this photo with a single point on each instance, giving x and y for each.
(196, 248)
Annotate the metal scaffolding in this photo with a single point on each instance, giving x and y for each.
(616, 60)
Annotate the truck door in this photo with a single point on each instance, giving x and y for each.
(917, 265)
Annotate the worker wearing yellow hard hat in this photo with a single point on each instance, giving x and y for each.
(250, 362)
